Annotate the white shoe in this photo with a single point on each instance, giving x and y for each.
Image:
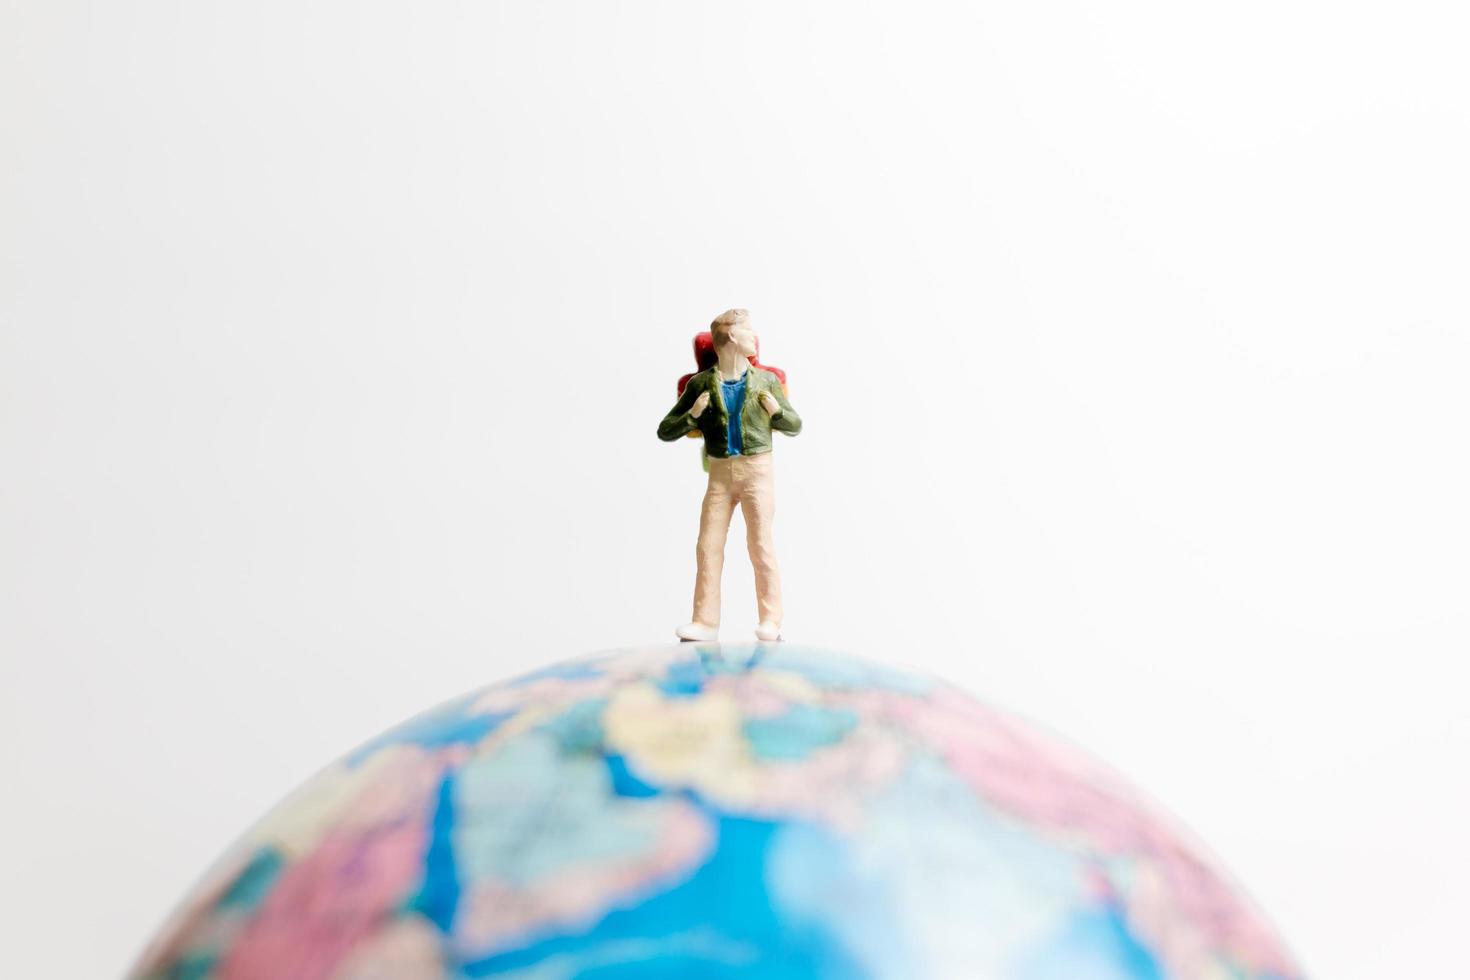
(697, 631)
(768, 632)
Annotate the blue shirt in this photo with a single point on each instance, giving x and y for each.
(734, 392)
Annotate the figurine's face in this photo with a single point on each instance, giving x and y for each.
(742, 339)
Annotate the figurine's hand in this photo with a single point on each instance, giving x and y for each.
(700, 404)
(769, 403)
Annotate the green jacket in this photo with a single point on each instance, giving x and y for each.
(714, 422)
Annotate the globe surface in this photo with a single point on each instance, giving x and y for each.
(723, 811)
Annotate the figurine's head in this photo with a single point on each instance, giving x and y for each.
(732, 330)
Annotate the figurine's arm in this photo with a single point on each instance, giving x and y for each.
(784, 419)
(680, 420)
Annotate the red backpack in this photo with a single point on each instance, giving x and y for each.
(704, 357)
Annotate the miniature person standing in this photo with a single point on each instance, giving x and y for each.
(735, 406)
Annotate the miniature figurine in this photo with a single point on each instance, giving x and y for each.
(734, 404)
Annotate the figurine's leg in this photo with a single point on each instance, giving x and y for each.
(758, 504)
(709, 552)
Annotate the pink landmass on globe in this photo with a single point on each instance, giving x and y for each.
(340, 894)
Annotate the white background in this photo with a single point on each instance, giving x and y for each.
(1131, 342)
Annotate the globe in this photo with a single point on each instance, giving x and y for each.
(721, 811)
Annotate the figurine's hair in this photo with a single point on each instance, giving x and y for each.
(719, 328)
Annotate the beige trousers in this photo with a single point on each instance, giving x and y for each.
(750, 482)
